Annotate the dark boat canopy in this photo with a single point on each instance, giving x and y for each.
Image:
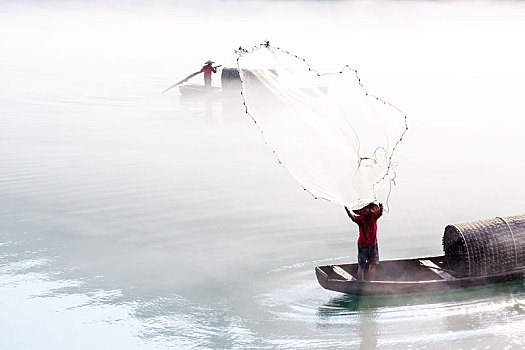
(230, 78)
(486, 246)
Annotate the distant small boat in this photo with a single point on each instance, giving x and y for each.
(230, 85)
(476, 254)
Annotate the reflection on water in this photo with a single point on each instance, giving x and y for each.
(349, 303)
(426, 318)
(221, 107)
(368, 330)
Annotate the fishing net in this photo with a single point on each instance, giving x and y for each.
(334, 137)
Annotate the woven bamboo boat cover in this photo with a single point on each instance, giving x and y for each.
(486, 246)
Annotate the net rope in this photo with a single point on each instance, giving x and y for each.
(334, 137)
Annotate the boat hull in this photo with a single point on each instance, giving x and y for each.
(192, 89)
(412, 277)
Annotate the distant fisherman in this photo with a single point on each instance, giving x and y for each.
(368, 251)
(208, 69)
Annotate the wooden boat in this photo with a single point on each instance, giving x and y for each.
(478, 253)
(418, 275)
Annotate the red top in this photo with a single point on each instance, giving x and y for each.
(367, 228)
(207, 69)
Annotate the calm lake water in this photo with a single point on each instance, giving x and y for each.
(136, 220)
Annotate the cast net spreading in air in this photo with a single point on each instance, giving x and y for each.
(334, 137)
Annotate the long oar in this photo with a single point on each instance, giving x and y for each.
(182, 81)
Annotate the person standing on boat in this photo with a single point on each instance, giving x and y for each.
(368, 251)
(208, 69)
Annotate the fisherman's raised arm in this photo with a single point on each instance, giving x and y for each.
(350, 214)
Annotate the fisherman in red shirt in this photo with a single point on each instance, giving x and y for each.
(368, 251)
(208, 69)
